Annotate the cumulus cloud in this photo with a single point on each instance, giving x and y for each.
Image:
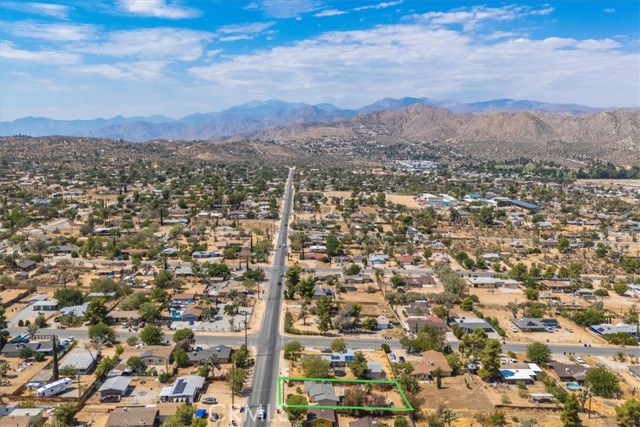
(422, 59)
(45, 9)
(158, 9)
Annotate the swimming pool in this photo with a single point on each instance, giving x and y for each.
(573, 386)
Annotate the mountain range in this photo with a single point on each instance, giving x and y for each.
(258, 117)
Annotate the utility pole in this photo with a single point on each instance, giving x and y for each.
(245, 328)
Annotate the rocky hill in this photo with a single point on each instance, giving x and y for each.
(607, 136)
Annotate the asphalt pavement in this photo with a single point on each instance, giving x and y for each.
(268, 341)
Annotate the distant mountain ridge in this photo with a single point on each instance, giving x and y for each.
(257, 116)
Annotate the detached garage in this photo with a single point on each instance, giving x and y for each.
(116, 386)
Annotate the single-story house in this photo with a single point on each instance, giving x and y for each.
(26, 265)
(321, 417)
(13, 350)
(222, 351)
(620, 328)
(45, 305)
(556, 285)
(431, 361)
(82, 361)
(525, 372)
(364, 422)
(340, 359)
(375, 371)
(493, 282)
(569, 371)
(383, 323)
(77, 310)
(321, 393)
(470, 324)
(415, 323)
(532, 324)
(156, 355)
(115, 386)
(141, 416)
(63, 249)
(124, 316)
(418, 308)
(378, 259)
(185, 389)
(419, 281)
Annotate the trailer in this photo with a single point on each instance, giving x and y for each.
(55, 387)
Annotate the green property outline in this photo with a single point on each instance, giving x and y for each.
(283, 405)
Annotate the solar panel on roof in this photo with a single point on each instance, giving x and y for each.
(180, 386)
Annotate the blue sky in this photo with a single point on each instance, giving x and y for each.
(100, 58)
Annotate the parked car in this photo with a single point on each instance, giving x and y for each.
(210, 400)
(600, 365)
(513, 329)
(214, 416)
(340, 373)
(110, 398)
(579, 360)
(401, 358)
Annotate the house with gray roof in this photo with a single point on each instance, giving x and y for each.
(620, 328)
(321, 393)
(185, 389)
(115, 386)
(222, 351)
(532, 324)
(82, 361)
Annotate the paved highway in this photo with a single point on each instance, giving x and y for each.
(268, 341)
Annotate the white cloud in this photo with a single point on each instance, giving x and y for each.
(8, 51)
(329, 12)
(50, 31)
(131, 70)
(609, 10)
(418, 59)
(604, 44)
(472, 18)
(46, 9)
(286, 8)
(158, 9)
(153, 43)
(235, 38)
(251, 28)
(383, 5)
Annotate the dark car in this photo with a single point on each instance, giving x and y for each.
(279, 283)
(340, 373)
(110, 398)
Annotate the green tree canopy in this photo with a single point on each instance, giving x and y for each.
(152, 335)
(315, 367)
(539, 353)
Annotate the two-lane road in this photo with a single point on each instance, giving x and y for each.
(269, 340)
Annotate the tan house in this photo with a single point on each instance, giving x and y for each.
(133, 417)
(431, 361)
